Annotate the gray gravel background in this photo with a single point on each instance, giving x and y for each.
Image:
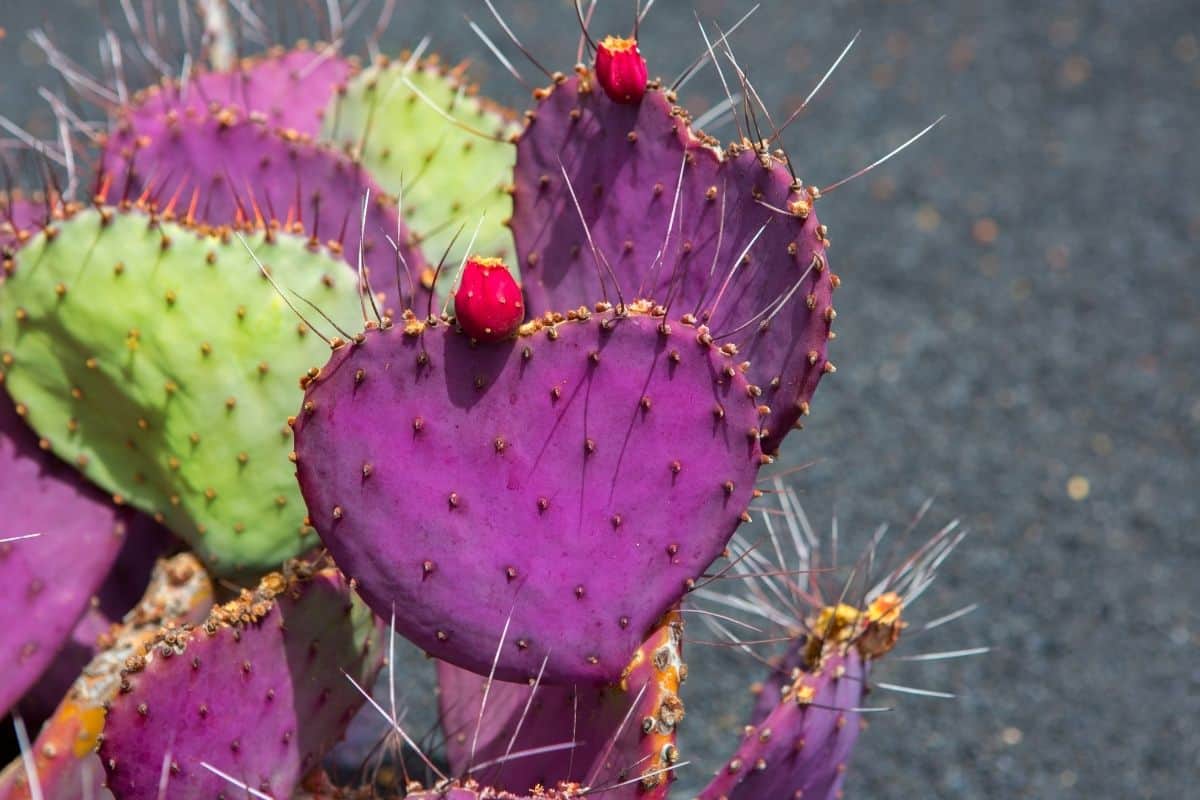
(1019, 335)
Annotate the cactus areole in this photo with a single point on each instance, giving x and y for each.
(621, 70)
(488, 302)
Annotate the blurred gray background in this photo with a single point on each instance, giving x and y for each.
(1019, 336)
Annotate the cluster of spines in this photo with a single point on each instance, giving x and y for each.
(808, 715)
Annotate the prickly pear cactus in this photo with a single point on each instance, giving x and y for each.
(614, 147)
(542, 359)
(157, 359)
(259, 692)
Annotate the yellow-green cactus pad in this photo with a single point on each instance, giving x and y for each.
(422, 133)
(159, 360)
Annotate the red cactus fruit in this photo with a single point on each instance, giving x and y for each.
(621, 70)
(488, 302)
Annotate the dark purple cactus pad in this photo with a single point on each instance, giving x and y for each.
(573, 481)
(624, 163)
(289, 90)
(620, 732)
(551, 717)
(802, 747)
(47, 582)
(258, 692)
(228, 172)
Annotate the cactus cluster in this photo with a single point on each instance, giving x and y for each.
(543, 362)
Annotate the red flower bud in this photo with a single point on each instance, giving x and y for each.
(621, 70)
(488, 303)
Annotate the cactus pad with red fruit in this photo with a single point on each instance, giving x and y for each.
(566, 487)
(622, 201)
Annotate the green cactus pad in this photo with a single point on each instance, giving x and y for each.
(449, 176)
(160, 362)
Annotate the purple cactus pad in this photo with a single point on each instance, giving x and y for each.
(769, 693)
(64, 757)
(258, 692)
(566, 486)
(289, 90)
(737, 214)
(47, 582)
(620, 732)
(802, 747)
